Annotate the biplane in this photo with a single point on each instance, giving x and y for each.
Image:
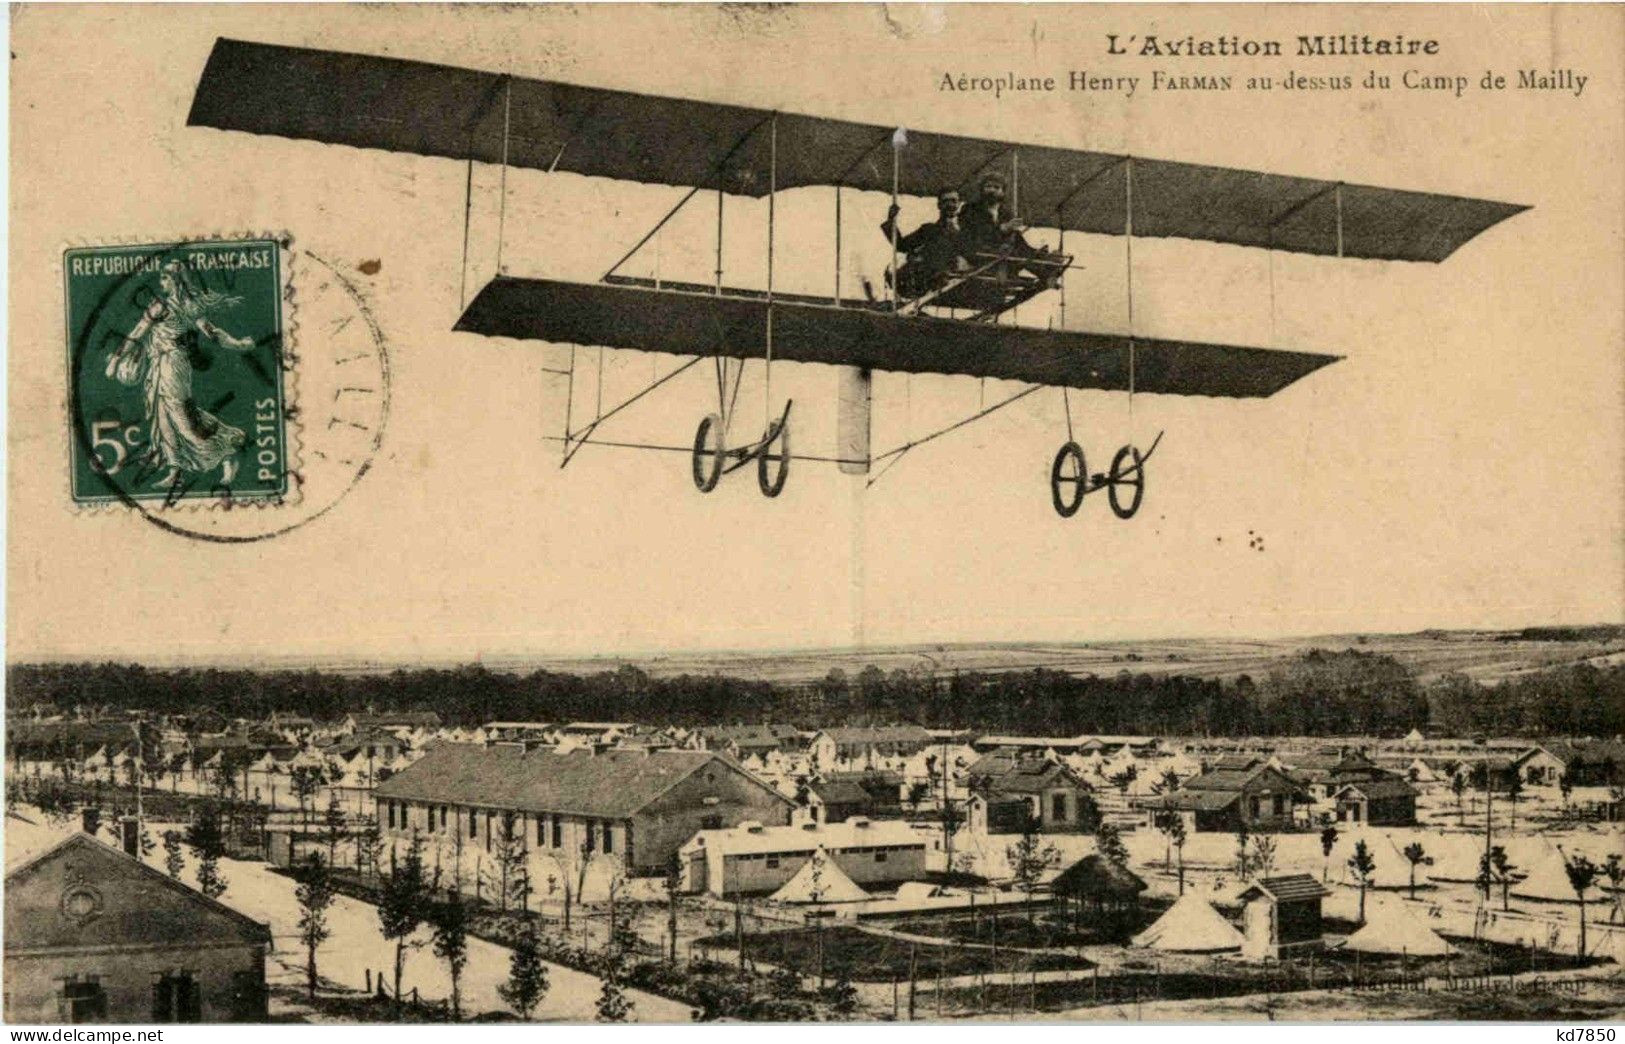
(957, 326)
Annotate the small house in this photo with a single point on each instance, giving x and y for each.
(1281, 916)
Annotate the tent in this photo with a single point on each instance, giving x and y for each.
(1391, 929)
(1191, 925)
(1548, 881)
(820, 880)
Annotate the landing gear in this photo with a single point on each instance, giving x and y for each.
(773, 466)
(1068, 480)
(708, 453)
(712, 459)
(1130, 475)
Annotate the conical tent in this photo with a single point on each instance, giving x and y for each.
(1548, 881)
(1390, 929)
(1191, 925)
(820, 880)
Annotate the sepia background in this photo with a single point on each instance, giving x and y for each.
(1461, 467)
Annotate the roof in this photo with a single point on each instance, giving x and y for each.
(1290, 888)
(614, 784)
(396, 718)
(755, 839)
(133, 904)
(689, 323)
(434, 110)
(1380, 787)
(1009, 772)
(1093, 878)
(877, 734)
(1235, 781)
(841, 792)
(749, 736)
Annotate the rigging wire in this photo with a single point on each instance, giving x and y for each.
(502, 205)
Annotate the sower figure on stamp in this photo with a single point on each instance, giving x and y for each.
(932, 250)
(991, 228)
(183, 437)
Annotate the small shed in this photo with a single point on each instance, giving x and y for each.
(1281, 916)
(1098, 883)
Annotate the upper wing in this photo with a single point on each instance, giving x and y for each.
(686, 323)
(439, 110)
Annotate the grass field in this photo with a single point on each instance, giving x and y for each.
(861, 957)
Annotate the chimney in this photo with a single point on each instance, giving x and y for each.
(129, 832)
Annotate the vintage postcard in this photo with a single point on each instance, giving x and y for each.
(852, 513)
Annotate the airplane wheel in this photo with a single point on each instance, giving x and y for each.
(1132, 475)
(708, 453)
(773, 468)
(1067, 478)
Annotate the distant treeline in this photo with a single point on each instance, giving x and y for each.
(1318, 693)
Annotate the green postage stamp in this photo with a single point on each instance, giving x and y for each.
(176, 372)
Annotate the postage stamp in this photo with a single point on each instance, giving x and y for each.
(176, 372)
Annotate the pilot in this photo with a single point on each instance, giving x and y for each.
(932, 249)
(990, 228)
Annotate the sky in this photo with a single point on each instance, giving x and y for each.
(1460, 467)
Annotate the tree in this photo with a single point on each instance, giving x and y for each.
(1177, 833)
(1263, 855)
(1328, 840)
(1415, 856)
(450, 945)
(842, 996)
(314, 894)
(527, 976)
(1243, 863)
(1363, 866)
(1458, 787)
(1109, 843)
(1501, 869)
(1166, 822)
(305, 780)
(208, 843)
(333, 826)
(1614, 870)
(369, 847)
(401, 906)
(612, 1003)
(174, 861)
(1582, 875)
(674, 886)
(508, 855)
(1029, 857)
(1514, 791)
(1566, 786)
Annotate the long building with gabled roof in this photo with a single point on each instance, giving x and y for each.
(635, 805)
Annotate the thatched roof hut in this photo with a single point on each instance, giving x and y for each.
(1097, 880)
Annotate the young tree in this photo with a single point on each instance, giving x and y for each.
(174, 861)
(508, 857)
(1263, 855)
(527, 976)
(612, 1003)
(1177, 833)
(1514, 791)
(842, 996)
(1582, 875)
(1109, 843)
(1165, 821)
(1030, 856)
(305, 780)
(401, 907)
(314, 894)
(1328, 841)
(369, 848)
(674, 887)
(333, 826)
(1614, 869)
(451, 945)
(1363, 866)
(1458, 787)
(1415, 855)
(1243, 860)
(1566, 786)
(208, 843)
(1502, 868)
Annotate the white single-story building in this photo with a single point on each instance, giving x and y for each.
(756, 859)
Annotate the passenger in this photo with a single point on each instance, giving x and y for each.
(932, 250)
(990, 228)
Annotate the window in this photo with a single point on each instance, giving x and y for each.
(83, 1001)
(489, 817)
(473, 824)
(772, 862)
(176, 998)
(390, 805)
(558, 832)
(1058, 807)
(880, 856)
(442, 817)
(710, 822)
(609, 838)
(1255, 806)
(541, 829)
(1280, 805)
(592, 838)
